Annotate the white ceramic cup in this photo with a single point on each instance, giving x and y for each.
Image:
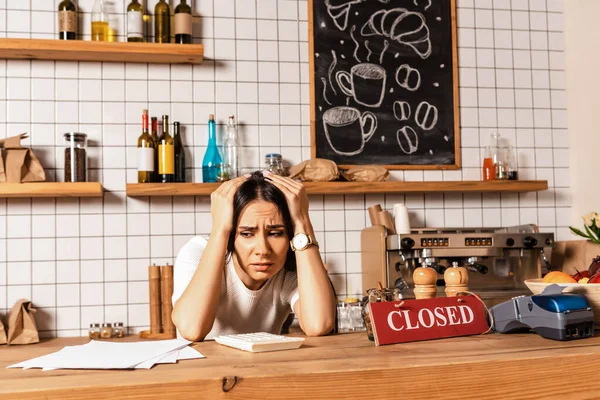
(401, 220)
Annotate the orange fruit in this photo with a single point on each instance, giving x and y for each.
(558, 277)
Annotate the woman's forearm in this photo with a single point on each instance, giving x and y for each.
(317, 303)
(194, 312)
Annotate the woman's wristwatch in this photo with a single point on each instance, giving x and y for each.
(301, 241)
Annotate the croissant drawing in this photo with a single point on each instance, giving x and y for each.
(403, 26)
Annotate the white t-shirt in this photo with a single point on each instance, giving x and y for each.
(240, 309)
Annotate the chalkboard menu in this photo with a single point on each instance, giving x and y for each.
(384, 86)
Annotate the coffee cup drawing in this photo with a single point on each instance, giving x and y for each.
(345, 129)
(365, 82)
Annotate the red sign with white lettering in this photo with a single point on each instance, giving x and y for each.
(426, 319)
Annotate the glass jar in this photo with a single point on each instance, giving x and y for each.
(274, 164)
(107, 331)
(118, 330)
(377, 296)
(75, 157)
(94, 332)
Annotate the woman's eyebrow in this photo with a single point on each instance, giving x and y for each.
(253, 228)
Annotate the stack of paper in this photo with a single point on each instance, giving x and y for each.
(114, 355)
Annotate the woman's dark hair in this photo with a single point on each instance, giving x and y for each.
(258, 188)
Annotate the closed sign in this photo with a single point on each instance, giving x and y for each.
(414, 320)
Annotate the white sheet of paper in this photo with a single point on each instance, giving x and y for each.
(105, 355)
(189, 353)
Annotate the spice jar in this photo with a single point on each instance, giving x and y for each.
(377, 296)
(274, 164)
(106, 331)
(75, 157)
(94, 332)
(118, 330)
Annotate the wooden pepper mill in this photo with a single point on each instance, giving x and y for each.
(456, 279)
(425, 278)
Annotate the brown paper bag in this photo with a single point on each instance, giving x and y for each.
(21, 324)
(2, 333)
(366, 173)
(568, 255)
(21, 164)
(315, 170)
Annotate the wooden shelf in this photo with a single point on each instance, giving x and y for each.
(79, 50)
(51, 189)
(205, 189)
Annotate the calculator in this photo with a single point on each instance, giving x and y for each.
(260, 342)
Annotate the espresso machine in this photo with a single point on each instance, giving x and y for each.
(498, 259)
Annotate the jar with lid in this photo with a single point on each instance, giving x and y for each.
(274, 164)
(94, 332)
(107, 331)
(377, 296)
(118, 330)
(75, 157)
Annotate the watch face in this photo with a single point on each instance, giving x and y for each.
(300, 241)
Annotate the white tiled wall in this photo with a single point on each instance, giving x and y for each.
(85, 260)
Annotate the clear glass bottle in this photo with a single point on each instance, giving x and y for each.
(231, 149)
(75, 157)
(99, 22)
(211, 164)
(274, 164)
(489, 170)
(511, 164)
(118, 330)
(106, 331)
(94, 332)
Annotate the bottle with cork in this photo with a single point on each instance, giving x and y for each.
(456, 279)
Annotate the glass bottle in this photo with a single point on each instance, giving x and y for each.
(166, 154)
(67, 20)
(212, 159)
(489, 171)
(377, 296)
(155, 140)
(145, 152)
(183, 23)
(106, 331)
(162, 22)
(274, 164)
(75, 157)
(99, 22)
(511, 164)
(230, 148)
(135, 22)
(94, 332)
(118, 330)
(179, 153)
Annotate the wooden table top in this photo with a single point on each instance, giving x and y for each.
(491, 366)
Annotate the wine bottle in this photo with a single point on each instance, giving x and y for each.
(162, 22)
(166, 154)
(145, 153)
(135, 22)
(155, 139)
(230, 148)
(99, 22)
(212, 159)
(183, 23)
(67, 20)
(179, 153)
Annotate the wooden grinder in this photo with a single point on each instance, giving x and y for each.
(456, 279)
(155, 301)
(425, 278)
(161, 291)
(166, 284)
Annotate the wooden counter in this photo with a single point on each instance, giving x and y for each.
(345, 366)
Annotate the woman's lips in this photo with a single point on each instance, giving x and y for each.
(261, 266)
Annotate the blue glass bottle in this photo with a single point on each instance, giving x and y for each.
(212, 159)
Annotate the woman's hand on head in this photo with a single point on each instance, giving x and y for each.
(295, 195)
(221, 204)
